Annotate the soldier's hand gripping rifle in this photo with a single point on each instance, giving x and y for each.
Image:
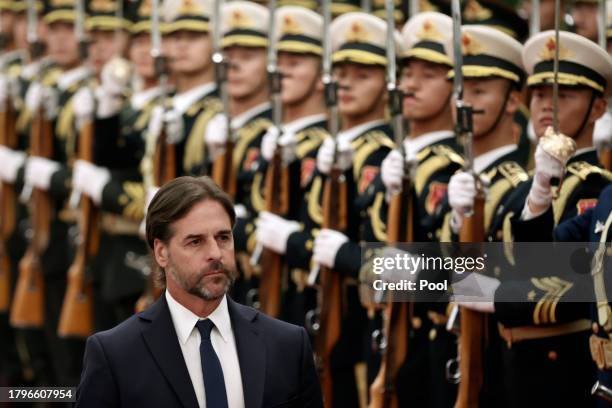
(8, 196)
(326, 320)
(276, 187)
(27, 309)
(472, 323)
(164, 155)
(76, 317)
(223, 172)
(383, 392)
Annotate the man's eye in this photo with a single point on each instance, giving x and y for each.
(195, 242)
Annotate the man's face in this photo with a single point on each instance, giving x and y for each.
(426, 88)
(585, 20)
(199, 257)
(573, 106)
(20, 31)
(247, 75)
(487, 96)
(104, 45)
(301, 76)
(7, 20)
(62, 44)
(190, 52)
(140, 55)
(361, 88)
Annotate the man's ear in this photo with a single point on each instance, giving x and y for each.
(514, 102)
(160, 250)
(600, 105)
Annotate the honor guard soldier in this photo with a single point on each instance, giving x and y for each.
(112, 180)
(427, 107)
(584, 14)
(299, 47)
(244, 42)
(548, 328)
(49, 175)
(359, 62)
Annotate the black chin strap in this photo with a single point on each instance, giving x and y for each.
(501, 111)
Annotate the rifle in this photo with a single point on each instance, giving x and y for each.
(27, 309)
(396, 328)
(223, 172)
(335, 216)
(164, 157)
(277, 189)
(472, 323)
(76, 317)
(8, 198)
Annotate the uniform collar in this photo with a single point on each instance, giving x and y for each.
(351, 134)
(185, 320)
(181, 102)
(239, 121)
(140, 99)
(71, 77)
(303, 123)
(482, 162)
(420, 142)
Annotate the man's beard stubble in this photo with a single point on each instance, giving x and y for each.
(198, 288)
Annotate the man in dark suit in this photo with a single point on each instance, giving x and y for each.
(195, 347)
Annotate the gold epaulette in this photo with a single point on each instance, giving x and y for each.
(367, 144)
(512, 175)
(14, 70)
(51, 76)
(246, 135)
(309, 139)
(582, 170)
(195, 145)
(513, 172)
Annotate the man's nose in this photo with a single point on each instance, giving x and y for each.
(213, 250)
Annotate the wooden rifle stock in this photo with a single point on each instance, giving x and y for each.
(27, 309)
(335, 213)
(277, 202)
(8, 200)
(76, 318)
(164, 170)
(605, 157)
(383, 392)
(223, 172)
(472, 322)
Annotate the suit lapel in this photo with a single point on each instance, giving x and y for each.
(251, 353)
(162, 341)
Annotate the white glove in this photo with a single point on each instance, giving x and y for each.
(50, 102)
(287, 142)
(602, 135)
(108, 104)
(326, 246)
(34, 96)
(274, 231)
(476, 291)
(150, 194)
(38, 172)
(83, 104)
(392, 172)
(540, 194)
(325, 155)
(89, 179)
(461, 194)
(175, 127)
(216, 135)
(10, 162)
(115, 76)
(156, 122)
(240, 211)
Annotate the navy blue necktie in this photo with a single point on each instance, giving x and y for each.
(214, 384)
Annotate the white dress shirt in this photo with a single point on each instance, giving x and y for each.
(222, 338)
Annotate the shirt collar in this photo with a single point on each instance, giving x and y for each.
(302, 123)
(352, 133)
(420, 142)
(185, 320)
(140, 99)
(486, 159)
(239, 121)
(69, 78)
(181, 102)
(583, 150)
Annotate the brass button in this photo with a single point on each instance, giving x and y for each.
(417, 323)
(552, 355)
(433, 333)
